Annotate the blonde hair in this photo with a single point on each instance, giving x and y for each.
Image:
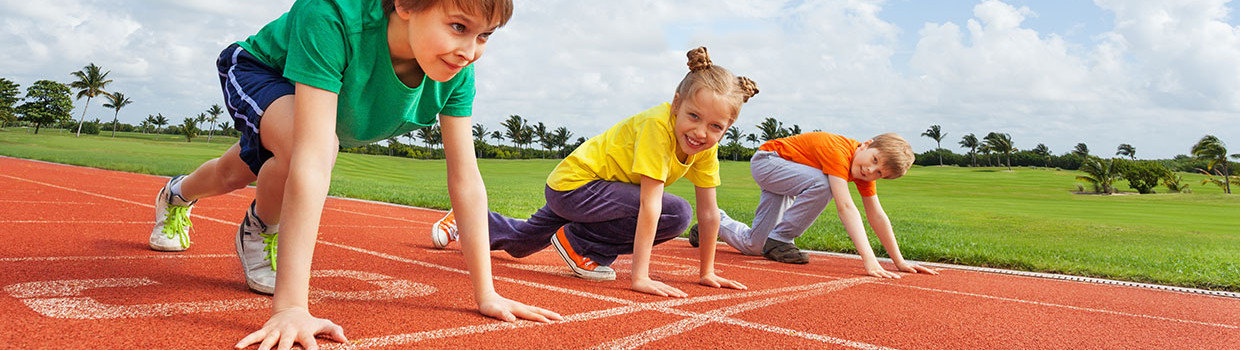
(494, 10)
(705, 75)
(896, 154)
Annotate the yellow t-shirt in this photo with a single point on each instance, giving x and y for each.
(643, 144)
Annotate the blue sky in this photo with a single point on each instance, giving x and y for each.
(1152, 73)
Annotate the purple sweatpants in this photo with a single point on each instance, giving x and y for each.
(599, 218)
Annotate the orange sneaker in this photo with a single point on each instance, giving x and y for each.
(582, 266)
(444, 231)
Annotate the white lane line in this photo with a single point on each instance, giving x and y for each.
(65, 299)
(1070, 307)
(74, 222)
(628, 307)
(92, 258)
(718, 315)
(663, 306)
(208, 218)
(47, 202)
(379, 216)
(1039, 303)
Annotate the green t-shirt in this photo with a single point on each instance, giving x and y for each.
(341, 46)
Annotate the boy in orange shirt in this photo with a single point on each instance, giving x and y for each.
(799, 175)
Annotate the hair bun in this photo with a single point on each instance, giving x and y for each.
(698, 59)
(748, 88)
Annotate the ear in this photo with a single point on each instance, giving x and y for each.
(675, 103)
(401, 12)
(866, 144)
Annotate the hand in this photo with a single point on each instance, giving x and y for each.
(293, 325)
(714, 280)
(874, 269)
(650, 286)
(507, 310)
(914, 268)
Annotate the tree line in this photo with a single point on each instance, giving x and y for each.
(1208, 157)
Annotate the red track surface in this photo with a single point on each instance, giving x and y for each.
(75, 272)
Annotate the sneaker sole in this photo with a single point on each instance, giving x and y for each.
(254, 286)
(163, 248)
(438, 237)
(160, 248)
(577, 270)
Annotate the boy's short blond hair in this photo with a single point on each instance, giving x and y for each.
(495, 11)
(896, 154)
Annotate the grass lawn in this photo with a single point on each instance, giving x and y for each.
(1024, 219)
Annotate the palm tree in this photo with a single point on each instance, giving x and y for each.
(795, 130)
(90, 83)
(146, 125)
(190, 128)
(1081, 150)
(1001, 143)
(517, 128)
(751, 138)
(1100, 173)
(772, 129)
(427, 135)
(540, 130)
(560, 138)
(734, 134)
(1045, 152)
(1211, 149)
(1126, 150)
(498, 136)
(1174, 184)
(116, 100)
(215, 112)
(936, 133)
(159, 121)
(985, 150)
(480, 132)
(969, 141)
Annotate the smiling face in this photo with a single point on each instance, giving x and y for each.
(442, 39)
(866, 163)
(701, 121)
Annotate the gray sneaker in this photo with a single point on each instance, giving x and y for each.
(256, 246)
(172, 225)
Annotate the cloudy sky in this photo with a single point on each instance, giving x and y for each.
(1152, 73)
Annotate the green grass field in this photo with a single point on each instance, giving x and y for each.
(1025, 219)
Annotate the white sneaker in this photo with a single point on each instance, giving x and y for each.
(256, 246)
(444, 231)
(172, 225)
(582, 266)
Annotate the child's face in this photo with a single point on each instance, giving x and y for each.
(444, 39)
(701, 121)
(865, 163)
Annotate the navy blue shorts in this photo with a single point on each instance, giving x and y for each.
(249, 87)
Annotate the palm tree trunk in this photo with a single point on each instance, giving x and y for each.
(1226, 178)
(114, 123)
(939, 147)
(83, 119)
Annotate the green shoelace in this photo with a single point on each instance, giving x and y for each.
(177, 224)
(269, 246)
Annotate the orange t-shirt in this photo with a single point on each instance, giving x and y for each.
(829, 152)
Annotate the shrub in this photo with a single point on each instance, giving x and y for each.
(1144, 175)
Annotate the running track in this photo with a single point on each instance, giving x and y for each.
(75, 272)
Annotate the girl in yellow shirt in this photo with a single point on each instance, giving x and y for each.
(607, 197)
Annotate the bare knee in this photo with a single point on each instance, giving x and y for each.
(236, 175)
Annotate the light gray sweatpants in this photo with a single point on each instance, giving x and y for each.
(793, 195)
